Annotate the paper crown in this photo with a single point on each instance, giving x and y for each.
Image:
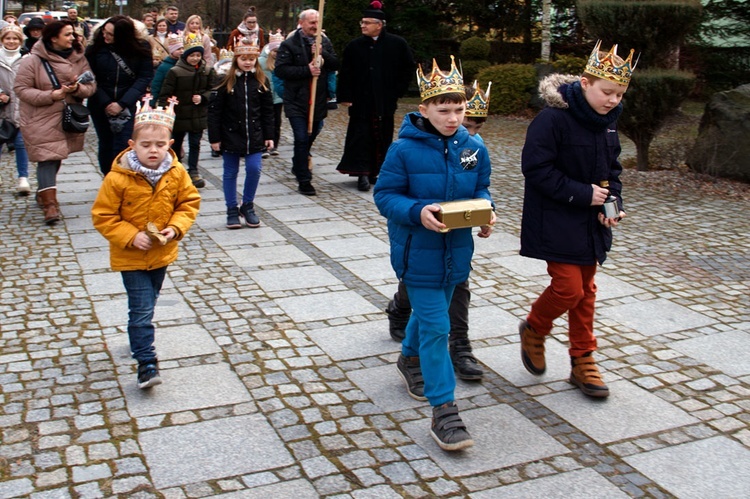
(606, 67)
(478, 105)
(12, 28)
(225, 55)
(192, 41)
(147, 115)
(174, 42)
(440, 82)
(246, 46)
(276, 37)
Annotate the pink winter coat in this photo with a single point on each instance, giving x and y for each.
(41, 117)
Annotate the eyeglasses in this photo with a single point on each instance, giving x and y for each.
(251, 22)
(367, 23)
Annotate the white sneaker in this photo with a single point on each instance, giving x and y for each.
(23, 186)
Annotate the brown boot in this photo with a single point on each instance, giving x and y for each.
(532, 349)
(48, 198)
(585, 375)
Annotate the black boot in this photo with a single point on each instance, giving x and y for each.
(465, 364)
(397, 320)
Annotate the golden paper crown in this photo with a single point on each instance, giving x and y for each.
(276, 37)
(478, 106)
(147, 115)
(606, 67)
(246, 46)
(192, 40)
(226, 55)
(12, 28)
(439, 82)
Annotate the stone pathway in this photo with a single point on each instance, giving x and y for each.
(279, 373)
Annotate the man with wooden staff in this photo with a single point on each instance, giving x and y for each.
(296, 65)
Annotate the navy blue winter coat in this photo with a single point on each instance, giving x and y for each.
(561, 158)
(422, 168)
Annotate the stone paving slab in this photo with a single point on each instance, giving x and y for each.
(520, 265)
(727, 352)
(629, 411)
(114, 312)
(294, 278)
(505, 360)
(655, 317)
(355, 341)
(215, 449)
(714, 467)
(271, 255)
(244, 238)
(503, 437)
(185, 389)
(579, 483)
(299, 489)
(175, 342)
(353, 246)
(325, 306)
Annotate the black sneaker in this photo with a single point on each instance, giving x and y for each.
(233, 218)
(148, 374)
(247, 210)
(448, 429)
(465, 365)
(397, 321)
(411, 372)
(363, 183)
(306, 188)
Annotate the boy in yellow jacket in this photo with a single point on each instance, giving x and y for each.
(145, 205)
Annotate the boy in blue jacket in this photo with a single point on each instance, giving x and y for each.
(570, 166)
(434, 160)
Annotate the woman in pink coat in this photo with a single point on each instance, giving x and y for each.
(42, 106)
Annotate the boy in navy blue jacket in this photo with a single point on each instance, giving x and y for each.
(570, 165)
(434, 160)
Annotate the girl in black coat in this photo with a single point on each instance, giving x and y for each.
(240, 124)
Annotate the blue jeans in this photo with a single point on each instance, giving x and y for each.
(252, 177)
(22, 157)
(427, 337)
(194, 148)
(143, 287)
(302, 145)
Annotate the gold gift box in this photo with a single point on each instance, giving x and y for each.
(466, 213)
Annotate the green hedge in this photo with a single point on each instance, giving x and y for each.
(513, 86)
(474, 49)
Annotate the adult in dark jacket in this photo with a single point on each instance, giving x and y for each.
(33, 32)
(295, 65)
(376, 69)
(123, 68)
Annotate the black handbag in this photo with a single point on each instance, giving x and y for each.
(8, 131)
(75, 116)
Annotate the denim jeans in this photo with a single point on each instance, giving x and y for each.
(143, 287)
(252, 177)
(302, 145)
(22, 157)
(194, 148)
(427, 337)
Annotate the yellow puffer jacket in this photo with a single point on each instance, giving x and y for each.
(126, 203)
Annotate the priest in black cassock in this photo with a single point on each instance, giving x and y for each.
(376, 70)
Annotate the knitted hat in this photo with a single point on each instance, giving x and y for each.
(34, 23)
(374, 11)
(174, 42)
(193, 43)
(14, 29)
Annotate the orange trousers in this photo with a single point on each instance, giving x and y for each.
(572, 290)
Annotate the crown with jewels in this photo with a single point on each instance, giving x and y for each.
(12, 28)
(606, 67)
(440, 82)
(479, 104)
(246, 46)
(147, 115)
(192, 40)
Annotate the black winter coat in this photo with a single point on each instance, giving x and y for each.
(183, 81)
(243, 119)
(292, 61)
(561, 158)
(114, 84)
(375, 74)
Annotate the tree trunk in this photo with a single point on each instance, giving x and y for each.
(546, 28)
(642, 145)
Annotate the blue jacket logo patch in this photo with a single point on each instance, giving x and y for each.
(469, 159)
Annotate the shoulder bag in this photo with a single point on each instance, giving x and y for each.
(75, 116)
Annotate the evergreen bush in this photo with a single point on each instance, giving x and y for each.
(474, 49)
(471, 69)
(513, 86)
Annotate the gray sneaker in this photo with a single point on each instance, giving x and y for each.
(411, 372)
(448, 429)
(148, 374)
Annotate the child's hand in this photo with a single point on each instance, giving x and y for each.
(611, 222)
(486, 230)
(196, 99)
(428, 219)
(269, 144)
(142, 241)
(215, 146)
(169, 233)
(599, 195)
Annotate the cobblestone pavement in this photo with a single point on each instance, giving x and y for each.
(279, 374)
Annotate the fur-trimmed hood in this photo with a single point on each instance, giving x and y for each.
(549, 89)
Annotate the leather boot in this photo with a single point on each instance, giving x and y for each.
(465, 365)
(585, 375)
(532, 349)
(48, 198)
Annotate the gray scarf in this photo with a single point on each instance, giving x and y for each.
(153, 176)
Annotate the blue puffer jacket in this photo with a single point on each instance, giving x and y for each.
(563, 155)
(422, 168)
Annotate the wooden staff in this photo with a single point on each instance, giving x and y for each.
(317, 62)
